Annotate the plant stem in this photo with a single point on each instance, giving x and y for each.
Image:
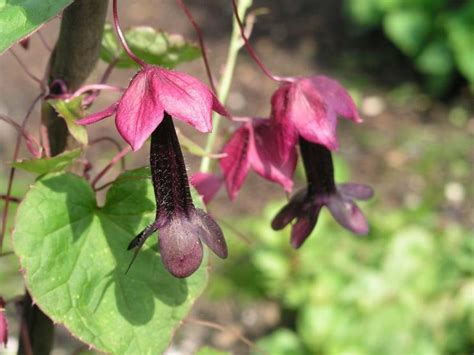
(225, 83)
(73, 59)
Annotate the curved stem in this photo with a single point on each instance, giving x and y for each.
(201, 42)
(114, 160)
(222, 328)
(118, 29)
(95, 87)
(250, 49)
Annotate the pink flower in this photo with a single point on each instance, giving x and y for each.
(3, 324)
(252, 146)
(154, 91)
(308, 107)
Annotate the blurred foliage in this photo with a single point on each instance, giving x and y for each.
(405, 289)
(436, 34)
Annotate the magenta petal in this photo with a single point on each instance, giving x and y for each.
(235, 165)
(336, 97)
(348, 215)
(207, 185)
(290, 210)
(356, 191)
(185, 98)
(211, 234)
(287, 135)
(266, 160)
(180, 247)
(3, 324)
(139, 112)
(98, 116)
(314, 119)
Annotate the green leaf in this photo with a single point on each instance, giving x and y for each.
(71, 111)
(408, 30)
(74, 256)
(49, 165)
(154, 47)
(19, 18)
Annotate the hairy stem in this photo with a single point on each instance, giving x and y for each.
(225, 83)
(73, 59)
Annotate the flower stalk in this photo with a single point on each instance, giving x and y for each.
(225, 82)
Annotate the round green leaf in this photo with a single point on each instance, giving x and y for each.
(74, 256)
(20, 18)
(154, 47)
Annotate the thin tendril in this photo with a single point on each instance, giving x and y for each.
(200, 37)
(114, 160)
(43, 40)
(125, 46)
(250, 49)
(24, 67)
(222, 328)
(12, 171)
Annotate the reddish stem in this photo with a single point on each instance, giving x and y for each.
(250, 49)
(11, 198)
(118, 29)
(12, 171)
(43, 40)
(114, 142)
(95, 87)
(30, 140)
(200, 37)
(45, 140)
(224, 329)
(25, 338)
(114, 161)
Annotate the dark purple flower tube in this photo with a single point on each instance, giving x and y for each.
(305, 205)
(182, 227)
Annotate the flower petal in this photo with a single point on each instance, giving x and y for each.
(290, 210)
(336, 97)
(304, 225)
(98, 116)
(347, 214)
(139, 111)
(266, 160)
(356, 191)
(211, 234)
(314, 119)
(235, 166)
(207, 185)
(180, 247)
(287, 135)
(185, 98)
